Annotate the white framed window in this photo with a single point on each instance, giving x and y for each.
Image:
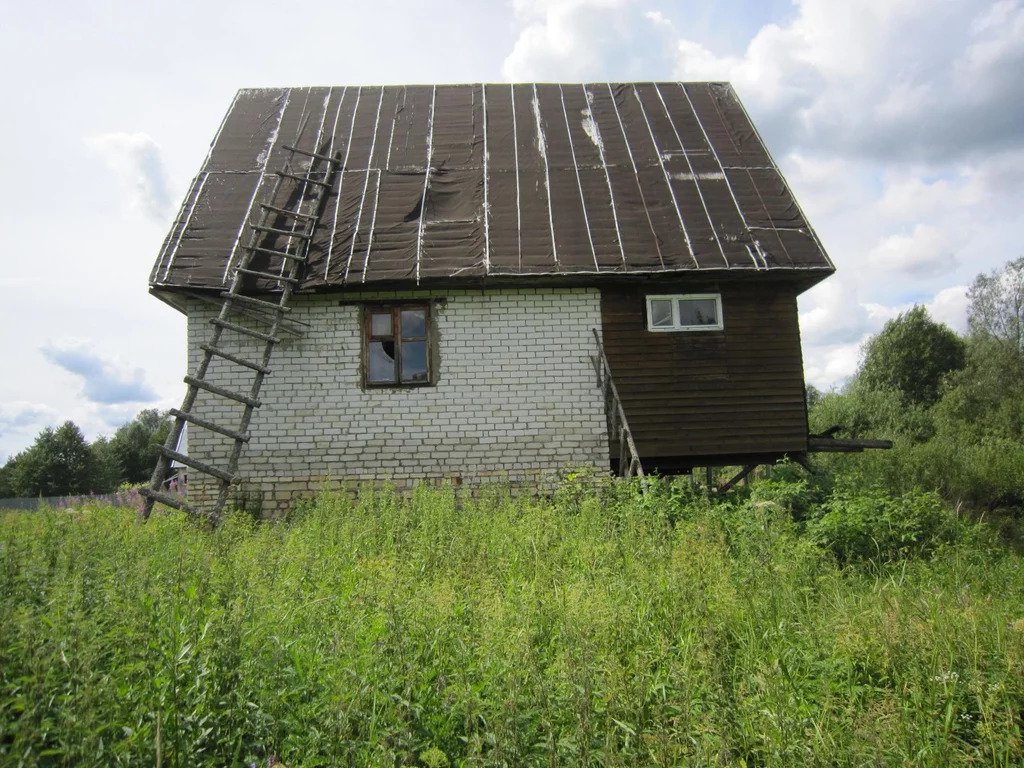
(684, 312)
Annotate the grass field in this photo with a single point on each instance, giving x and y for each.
(592, 628)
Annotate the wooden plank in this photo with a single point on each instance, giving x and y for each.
(842, 445)
(738, 391)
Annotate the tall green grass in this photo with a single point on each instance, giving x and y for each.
(593, 628)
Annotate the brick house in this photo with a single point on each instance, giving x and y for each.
(437, 270)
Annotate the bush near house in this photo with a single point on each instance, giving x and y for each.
(953, 408)
(596, 627)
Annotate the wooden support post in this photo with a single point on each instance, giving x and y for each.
(743, 474)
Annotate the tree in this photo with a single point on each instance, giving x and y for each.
(812, 395)
(58, 463)
(996, 308)
(6, 473)
(106, 470)
(133, 448)
(912, 355)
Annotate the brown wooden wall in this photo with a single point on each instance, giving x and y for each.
(736, 393)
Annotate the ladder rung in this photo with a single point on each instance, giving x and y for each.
(286, 212)
(249, 301)
(234, 358)
(229, 394)
(272, 252)
(242, 329)
(193, 419)
(202, 466)
(166, 498)
(303, 179)
(283, 232)
(267, 275)
(307, 153)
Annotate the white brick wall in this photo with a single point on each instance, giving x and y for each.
(516, 396)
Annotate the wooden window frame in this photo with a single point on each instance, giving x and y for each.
(676, 327)
(395, 310)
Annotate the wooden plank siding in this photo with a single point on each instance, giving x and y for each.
(711, 396)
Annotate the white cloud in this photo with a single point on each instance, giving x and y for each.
(950, 307)
(825, 184)
(831, 366)
(837, 315)
(573, 40)
(21, 413)
(925, 251)
(20, 421)
(135, 160)
(881, 79)
(105, 382)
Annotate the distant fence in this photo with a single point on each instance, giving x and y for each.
(129, 498)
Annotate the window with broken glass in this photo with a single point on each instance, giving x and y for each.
(397, 345)
(685, 312)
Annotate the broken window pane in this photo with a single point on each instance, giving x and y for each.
(398, 345)
(381, 362)
(414, 361)
(380, 324)
(698, 312)
(661, 313)
(414, 323)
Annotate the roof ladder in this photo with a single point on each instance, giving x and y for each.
(270, 264)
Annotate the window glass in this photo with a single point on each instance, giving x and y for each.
(661, 313)
(380, 324)
(381, 362)
(414, 323)
(414, 361)
(698, 312)
(397, 343)
(684, 312)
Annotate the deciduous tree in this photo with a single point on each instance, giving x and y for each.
(58, 463)
(996, 308)
(134, 446)
(911, 355)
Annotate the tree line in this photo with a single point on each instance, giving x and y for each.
(953, 405)
(61, 462)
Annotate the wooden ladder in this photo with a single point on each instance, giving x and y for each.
(290, 213)
(618, 428)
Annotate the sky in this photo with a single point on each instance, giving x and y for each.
(899, 125)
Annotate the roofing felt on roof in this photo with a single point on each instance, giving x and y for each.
(496, 181)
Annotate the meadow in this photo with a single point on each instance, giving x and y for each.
(597, 626)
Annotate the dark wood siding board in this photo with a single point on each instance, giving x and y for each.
(723, 442)
(739, 390)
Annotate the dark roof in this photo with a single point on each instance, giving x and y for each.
(502, 181)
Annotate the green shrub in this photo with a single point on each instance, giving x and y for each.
(871, 524)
